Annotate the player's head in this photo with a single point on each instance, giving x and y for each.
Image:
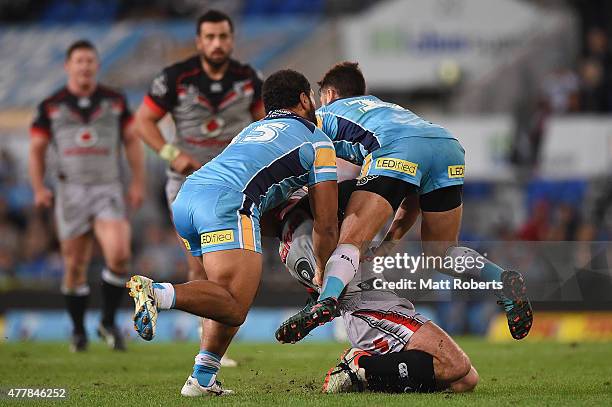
(215, 37)
(343, 80)
(288, 89)
(81, 63)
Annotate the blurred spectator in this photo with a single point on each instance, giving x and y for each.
(560, 91)
(39, 262)
(593, 91)
(565, 223)
(161, 257)
(596, 72)
(538, 225)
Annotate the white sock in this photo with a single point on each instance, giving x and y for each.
(340, 270)
(164, 294)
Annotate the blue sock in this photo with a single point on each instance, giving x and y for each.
(206, 366)
(332, 287)
(491, 272)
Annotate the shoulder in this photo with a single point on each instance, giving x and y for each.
(57, 96)
(189, 65)
(320, 137)
(242, 71)
(110, 92)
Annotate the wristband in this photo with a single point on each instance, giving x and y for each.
(169, 152)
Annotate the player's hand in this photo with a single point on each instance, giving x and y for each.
(185, 164)
(43, 198)
(135, 195)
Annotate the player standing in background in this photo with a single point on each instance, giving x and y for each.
(217, 213)
(405, 160)
(211, 98)
(85, 124)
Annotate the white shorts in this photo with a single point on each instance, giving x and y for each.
(77, 206)
(174, 182)
(382, 327)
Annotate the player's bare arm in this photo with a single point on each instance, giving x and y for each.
(135, 157)
(324, 205)
(43, 197)
(146, 125)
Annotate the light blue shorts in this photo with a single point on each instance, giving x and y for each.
(211, 218)
(428, 163)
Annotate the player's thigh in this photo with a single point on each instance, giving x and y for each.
(366, 213)
(194, 264)
(114, 237)
(73, 210)
(237, 270)
(440, 230)
(76, 253)
(450, 361)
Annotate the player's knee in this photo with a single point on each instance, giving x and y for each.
(118, 263)
(453, 366)
(466, 383)
(236, 317)
(196, 274)
(74, 267)
(435, 249)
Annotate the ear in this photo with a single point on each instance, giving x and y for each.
(305, 100)
(331, 94)
(198, 42)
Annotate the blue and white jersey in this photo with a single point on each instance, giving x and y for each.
(270, 159)
(363, 124)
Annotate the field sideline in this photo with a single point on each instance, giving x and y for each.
(270, 374)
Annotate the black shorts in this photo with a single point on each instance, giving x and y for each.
(394, 190)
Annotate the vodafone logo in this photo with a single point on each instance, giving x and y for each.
(213, 126)
(86, 137)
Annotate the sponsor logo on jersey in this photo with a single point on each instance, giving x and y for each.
(159, 87)
(213, 126)
(86, 137)
(456, 171)
(187, 245)
(396, 164)
(217, 237)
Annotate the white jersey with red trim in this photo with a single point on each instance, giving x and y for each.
(85, 133)
(207, 113)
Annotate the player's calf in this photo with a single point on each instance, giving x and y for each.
(449, 360)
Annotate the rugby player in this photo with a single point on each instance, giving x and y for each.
(217, 214)
(394, 348)
(404, 160)
(85, 124)
(211, 98)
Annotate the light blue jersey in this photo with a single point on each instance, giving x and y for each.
(218, 206)
(388, 140)
(270, 159)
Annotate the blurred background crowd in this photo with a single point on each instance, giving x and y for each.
(528, 92)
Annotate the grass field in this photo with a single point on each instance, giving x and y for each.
(152, 374)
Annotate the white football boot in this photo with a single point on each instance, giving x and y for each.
(192, 388)
(346, 376)
(145, 312)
